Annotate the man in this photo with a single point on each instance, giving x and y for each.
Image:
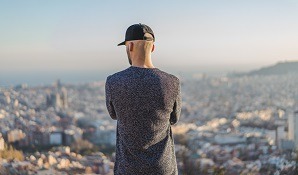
(145, 101)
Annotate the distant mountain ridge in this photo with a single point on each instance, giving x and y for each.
(279, 68)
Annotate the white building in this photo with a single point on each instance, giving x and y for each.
(223, 139)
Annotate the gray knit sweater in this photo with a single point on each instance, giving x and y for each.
(145, 102)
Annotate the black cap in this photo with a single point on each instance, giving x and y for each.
(137, 32)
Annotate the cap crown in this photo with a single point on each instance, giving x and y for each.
(137, 32)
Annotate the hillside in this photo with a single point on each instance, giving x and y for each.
(280, 68)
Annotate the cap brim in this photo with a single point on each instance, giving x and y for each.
(120, 44)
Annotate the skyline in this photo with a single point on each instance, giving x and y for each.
(191, 35)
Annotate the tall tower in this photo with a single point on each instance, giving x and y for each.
(58, 84)
(293, 128)
(296, 129)
(64, 97)
(58, 97)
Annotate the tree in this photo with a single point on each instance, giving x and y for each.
(10, 153)
(81, 145)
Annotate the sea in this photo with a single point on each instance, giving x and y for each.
(42, 78)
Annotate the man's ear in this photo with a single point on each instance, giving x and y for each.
(130, 46)
(153, 47)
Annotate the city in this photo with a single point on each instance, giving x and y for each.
(228, 125)
(236, 62)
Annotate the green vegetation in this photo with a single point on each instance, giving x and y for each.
(85, 147)
(82, 146)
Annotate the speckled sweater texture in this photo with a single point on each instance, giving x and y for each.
(145, 102)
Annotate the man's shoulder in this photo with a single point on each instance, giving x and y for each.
(124, 73)
(170, 76)
(116, 76)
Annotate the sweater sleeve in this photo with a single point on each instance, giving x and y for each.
(175, 115)
(109, 103)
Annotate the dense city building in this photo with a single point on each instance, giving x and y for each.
(228, 125)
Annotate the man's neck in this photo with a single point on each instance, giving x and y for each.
(144, 64)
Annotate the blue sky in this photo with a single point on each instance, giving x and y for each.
(74, 35)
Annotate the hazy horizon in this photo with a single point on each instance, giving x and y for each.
(36, 78)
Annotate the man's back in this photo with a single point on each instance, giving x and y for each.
(145, 102)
